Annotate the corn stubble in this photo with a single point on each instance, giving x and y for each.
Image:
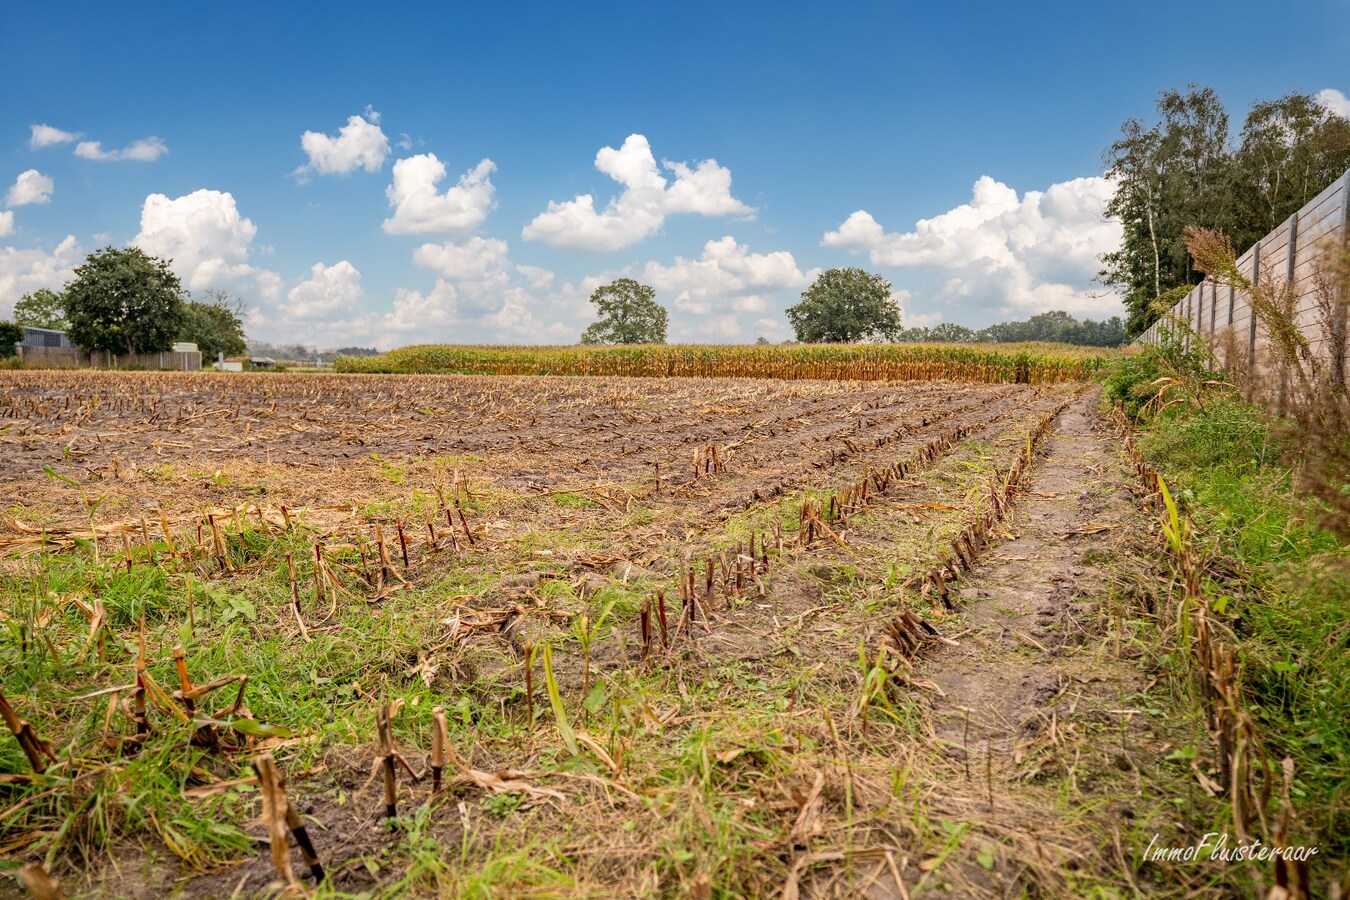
(363, 561)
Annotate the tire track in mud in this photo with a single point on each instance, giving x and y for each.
(1023, 603)
(1025, 697)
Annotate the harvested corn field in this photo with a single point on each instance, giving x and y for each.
(458, 636)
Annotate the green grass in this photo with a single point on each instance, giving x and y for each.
(1282, 582)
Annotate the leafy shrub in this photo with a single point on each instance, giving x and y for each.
(1133, 383)
(10, 334)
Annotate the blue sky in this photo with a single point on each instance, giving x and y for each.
(440, 192)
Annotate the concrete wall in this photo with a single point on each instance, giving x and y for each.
(1222, 317)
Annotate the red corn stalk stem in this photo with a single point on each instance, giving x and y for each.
(438, 741)
(286, 517)
(402, 542)
(661, 617)
(33, 747)
(431, 533)
(656, 463)
(645, 627)
(126, 550)
(467, 533)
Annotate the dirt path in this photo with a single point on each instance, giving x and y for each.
(1036, 713)
(1024, 603)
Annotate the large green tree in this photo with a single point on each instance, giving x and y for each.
(123, 301)
(1186, 171)
(41, 309)
(1290, 150)
(215, 325)
(846, 306)
(1173, 174)
(629, 314)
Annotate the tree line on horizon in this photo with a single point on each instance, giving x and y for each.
(1189, 170)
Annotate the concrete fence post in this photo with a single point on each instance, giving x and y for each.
(1338, 372)
(1213, 307)
(1283, 398)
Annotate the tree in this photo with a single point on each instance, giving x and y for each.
(952, 333)
(1184, 171)
(123, 301)
(1290, 150)
(215, 325)
(10, 334)
(629, 314)
(846, 306)
(41, 309)
(1177, 173)
(1055, 326)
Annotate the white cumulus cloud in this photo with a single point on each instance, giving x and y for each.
(329, 290)
(726, 276)
(457, 312)
(481, 295)
(1335, 101)
(144, 150)
(477, 259)
(47, 136)
(419, 209)
(1003, 253)
(25, 271)
(540, 279)
(30, 187)
(639, 210)
(360, 144)
(6, 223)
(206, 239)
